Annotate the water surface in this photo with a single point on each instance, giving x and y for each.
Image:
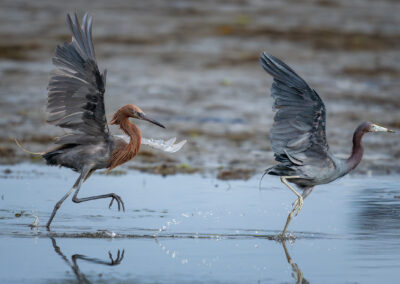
(194, 229)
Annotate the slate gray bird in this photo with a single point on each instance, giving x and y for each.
(298, 136)
(76, 103)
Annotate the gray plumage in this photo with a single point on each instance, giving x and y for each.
(298, 136)
(76, 101)
(76, 89)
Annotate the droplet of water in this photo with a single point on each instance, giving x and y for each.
(35, 222)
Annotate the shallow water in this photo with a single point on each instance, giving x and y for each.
(193, 65)
(194, 229)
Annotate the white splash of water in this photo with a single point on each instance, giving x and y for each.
(35, 222)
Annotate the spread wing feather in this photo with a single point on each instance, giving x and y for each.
(76, 88)
(298, 132)
(167, 146)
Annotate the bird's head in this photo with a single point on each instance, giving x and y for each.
(134, 112)
(371, 127)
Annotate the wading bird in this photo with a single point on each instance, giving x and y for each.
(76, 103)
(298, 136)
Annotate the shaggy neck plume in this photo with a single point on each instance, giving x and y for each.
(125, 152)
(358, 150)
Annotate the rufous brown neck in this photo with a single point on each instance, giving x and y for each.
(125, 152)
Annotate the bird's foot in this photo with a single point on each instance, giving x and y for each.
(118, 259)
(298, 204)
(297, 273)
(119, 201)
(280, 237)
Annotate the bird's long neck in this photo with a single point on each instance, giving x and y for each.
(132, 131)
(358, 150)
(125, 152)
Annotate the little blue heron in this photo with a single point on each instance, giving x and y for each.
(76, 103)
(298, 136)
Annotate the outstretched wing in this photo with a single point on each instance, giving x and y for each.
(298, 132)
(166, 146)
(76, 88)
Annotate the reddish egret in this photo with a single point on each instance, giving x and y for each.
(298, 136)
(76, 103)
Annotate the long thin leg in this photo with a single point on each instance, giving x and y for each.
(113, 197)
(297, 204)
(307, 192)
(75, 268)
(58, 204)
(112, 261)
(297, 273)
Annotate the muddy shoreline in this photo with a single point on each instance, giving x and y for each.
(195, 68)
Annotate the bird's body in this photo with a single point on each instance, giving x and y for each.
(76, 103)
(76, 156)
(102, 155)
(307, 173)
(298, 136)
(107, 154)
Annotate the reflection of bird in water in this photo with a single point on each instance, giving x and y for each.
(76, 102)
(297, 273)
(74, 265)
(298, 136)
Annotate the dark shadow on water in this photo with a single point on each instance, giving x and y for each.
(378, 211)
(73, 263)
(376, 219)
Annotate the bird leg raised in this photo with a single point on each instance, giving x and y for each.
(113, 197)
(296, 205)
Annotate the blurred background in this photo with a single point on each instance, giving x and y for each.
(193, 65)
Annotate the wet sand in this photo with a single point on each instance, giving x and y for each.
(194, 66)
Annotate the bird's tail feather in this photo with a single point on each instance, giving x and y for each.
(266, 172)
(278, 170)
(27, 151)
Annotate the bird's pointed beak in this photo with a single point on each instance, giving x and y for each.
(145, 117)
(377, 128)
